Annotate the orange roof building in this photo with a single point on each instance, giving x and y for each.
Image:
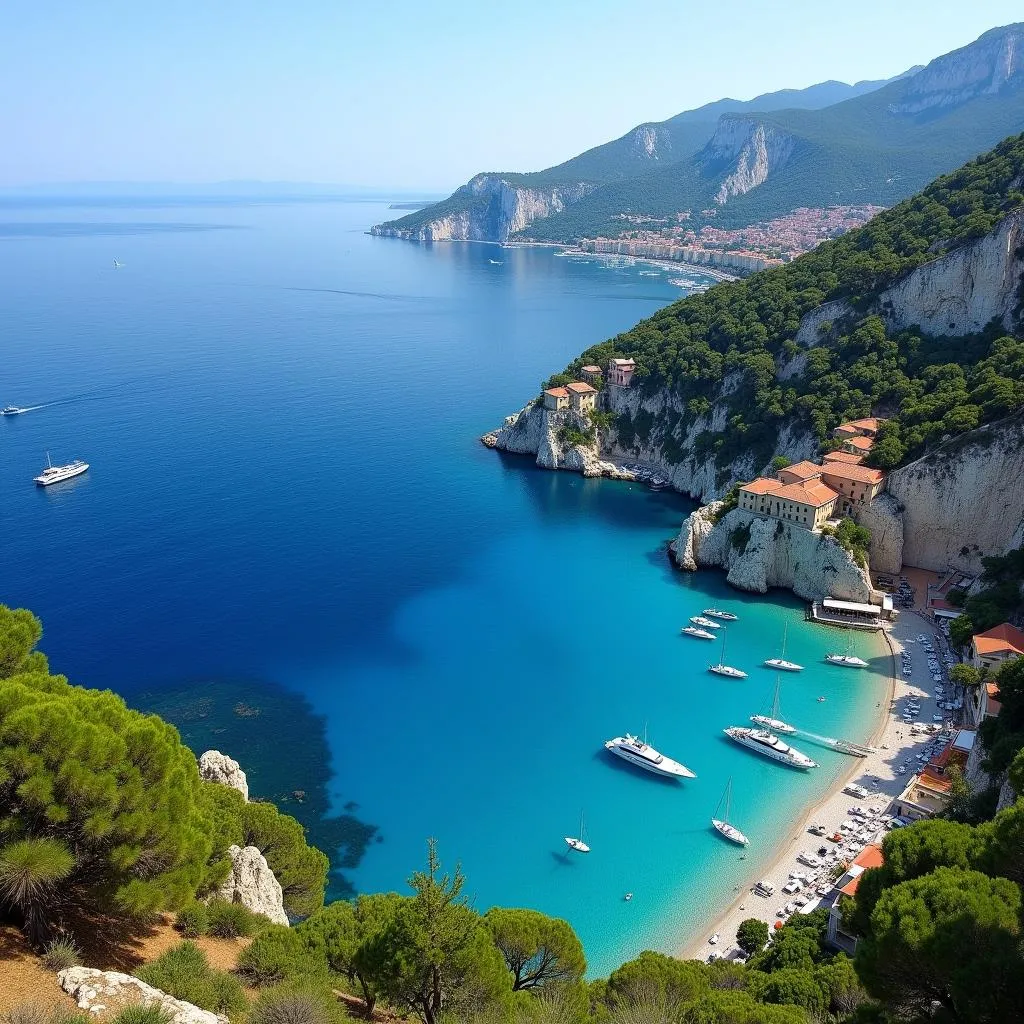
(858, 445)
(556, 399)
(848, 458)
(836, 935)
(802, 471)
(854, 428)
(857, 485)
(1001, 643)
(991, 706)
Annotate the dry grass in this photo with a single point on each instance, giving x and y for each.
(107, 944)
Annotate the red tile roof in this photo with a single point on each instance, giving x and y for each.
(869, 857)
(803, 470)
(999, 638)
(557, 392)
(847, 457)
(762, 485)
(856, 474)
(992, 699)
(581, 389)
(862, 444)
(844, 430)
(814, 493)
(870, 423)
(591, 369)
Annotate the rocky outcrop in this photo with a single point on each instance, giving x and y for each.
(961, 293)
(964, 499)
(217, 767)
(107, 992)
(885, 521)
(749, 150)
(985, 67)
(253, 884)
(758, 553)
(488, 208)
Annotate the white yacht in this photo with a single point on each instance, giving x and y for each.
(717, 613)
(771, 721)
(780, 664)
(699, 620)
(10, 410)
(703, 634)
(764, 742)
(721, 669)
(846, 660)
(577, 843)
(54, 474)
(722, 826)
(637, 752)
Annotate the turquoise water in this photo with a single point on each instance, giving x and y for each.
(291, 542)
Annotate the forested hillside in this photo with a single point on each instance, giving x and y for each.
(745, 333)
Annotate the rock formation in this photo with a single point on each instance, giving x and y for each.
(487, 209)
(217, 767)
(751, 148)
(97, 992)
(253, 884)
(758, 553)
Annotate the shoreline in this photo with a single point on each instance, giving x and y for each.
(830, 808)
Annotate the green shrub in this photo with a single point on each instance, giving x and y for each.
(185, 973)
(139, 1014)
(276, 955)
(192, 920)
(230, 920)
(61, 954)
(302, 1003)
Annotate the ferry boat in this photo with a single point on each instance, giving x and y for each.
(54, 474)
(638, 752)
(717, 613)
(703, 634)
(10, 410)
(766, 743)
(700, 620)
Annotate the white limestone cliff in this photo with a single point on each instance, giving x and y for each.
(964, 499)
(487, 209)
(758, 553)
(752, 149)
(217, 767)
(107, 992)
(253, 884)
(885, 521)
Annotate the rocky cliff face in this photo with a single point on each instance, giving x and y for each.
(487, 209)
(753, 151)
(758, 553)
(253, 884)
(103, 993)
(226, 771)
(990, 64)
(965, 499)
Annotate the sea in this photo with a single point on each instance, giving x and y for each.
(291, 543)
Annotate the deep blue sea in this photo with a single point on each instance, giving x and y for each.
(293, 545)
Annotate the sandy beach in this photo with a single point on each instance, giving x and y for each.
(894, 745)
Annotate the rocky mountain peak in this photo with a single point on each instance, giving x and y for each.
(992, 63)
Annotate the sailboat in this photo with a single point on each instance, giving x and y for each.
(117, 264)
(772, 721)
(847, 660)
(722, 826)
(577, 844)
(722, 669)
(780, 663)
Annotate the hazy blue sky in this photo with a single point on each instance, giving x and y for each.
(408, 92)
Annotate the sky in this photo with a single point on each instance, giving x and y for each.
(407, 94)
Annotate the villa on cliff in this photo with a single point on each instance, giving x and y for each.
(620, 372)
(995, 646)
(810, 495)
(578, 396)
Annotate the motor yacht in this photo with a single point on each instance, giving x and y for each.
(717, 613)
(55, 474)
(766, 743)
(641, 754)
(702, 634)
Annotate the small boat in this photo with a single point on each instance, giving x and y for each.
(628, 896)
(780, 664)
(10, 410)
(722, 669)
(714, 939)
(703, 634)
(771, 721)
(722, 826)
(699, 620)
(497, 263)
(117, 264)
(846, 660)
(54, 474)
(717, 613)
(637, 752)
(577, 844)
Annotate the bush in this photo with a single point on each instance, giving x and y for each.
(277, 955)
(185, 973)
(193, 919)
(61, 954)
(139, 1014)
(296, 1004)
(230, 920)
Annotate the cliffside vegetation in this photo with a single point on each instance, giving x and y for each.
(1000, 598)
(730, 343)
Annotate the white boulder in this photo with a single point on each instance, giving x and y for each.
(217, 767)
(253, 884)
(99, 991)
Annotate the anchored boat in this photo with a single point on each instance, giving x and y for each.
(722, 826)
(722, 669)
